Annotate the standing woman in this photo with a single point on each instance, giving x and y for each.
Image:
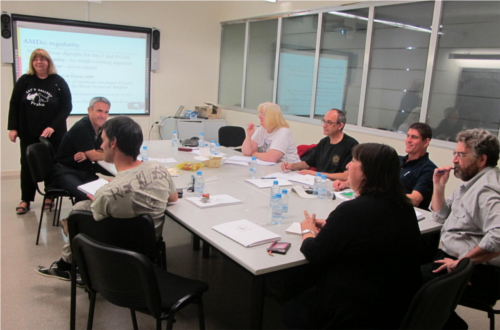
(39, 106)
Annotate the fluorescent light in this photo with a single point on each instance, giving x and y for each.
(271, 0)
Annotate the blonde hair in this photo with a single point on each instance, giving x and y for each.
(274, 118)
(51, 69)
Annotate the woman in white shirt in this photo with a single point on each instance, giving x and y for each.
(271, 141)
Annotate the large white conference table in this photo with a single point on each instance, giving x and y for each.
(230, 179)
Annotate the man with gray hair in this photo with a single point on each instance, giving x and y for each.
(80, 147)
(332, 154)
(470, 216)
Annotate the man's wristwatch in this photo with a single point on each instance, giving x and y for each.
(308, 231)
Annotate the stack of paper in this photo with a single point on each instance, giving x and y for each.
(91, 187)
(294, 229)
(246, 233)
(214, 200)
(267, 183)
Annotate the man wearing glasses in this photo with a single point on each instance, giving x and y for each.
(470, 216)
(332, 153)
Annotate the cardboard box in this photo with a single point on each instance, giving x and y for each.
(210, 112)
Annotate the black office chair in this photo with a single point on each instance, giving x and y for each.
(438, 298)
(231, 136)
(49, 145)
(135, 234)
(129, 279)
(483, 304)
(40, 161)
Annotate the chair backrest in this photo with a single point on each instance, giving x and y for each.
(49, 145)
(231, 136)
(436, 299)
(40, 161)
(135, 234)
(123, 277)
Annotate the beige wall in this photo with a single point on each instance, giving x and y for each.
(189, 63)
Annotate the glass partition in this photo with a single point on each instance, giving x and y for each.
(231, 64)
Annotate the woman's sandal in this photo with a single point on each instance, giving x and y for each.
(21, 209)
(48, 204)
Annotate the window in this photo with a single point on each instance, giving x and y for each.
(231, 64)
(398, 62)
(296, 64)
(260, 63)
(343, 38)
(465, 91)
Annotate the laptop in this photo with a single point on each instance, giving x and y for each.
(178, 113)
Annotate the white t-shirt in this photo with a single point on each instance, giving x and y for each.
(280, 140)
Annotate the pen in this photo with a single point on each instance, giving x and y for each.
(442, 171)
(272, 177)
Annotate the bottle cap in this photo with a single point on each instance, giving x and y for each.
(202, 133)
(254, 158)
(275, 182)
(175, 132)
(217, 144)
(318, 174)
(284, 191)
(144, 147)
(323, 176)
(278, 195)
(198, 173)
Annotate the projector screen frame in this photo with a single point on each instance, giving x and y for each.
(95, 25)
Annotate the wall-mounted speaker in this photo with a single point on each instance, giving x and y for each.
(7, 54)
(155, 49)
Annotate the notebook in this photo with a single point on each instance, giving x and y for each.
(246, 233)
(91, 187)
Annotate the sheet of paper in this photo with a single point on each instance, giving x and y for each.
(420, 216)
(235, 162)
(295, 176)
(214, 200)
(299, 190)
(91, 187)
(163, 160)
(201, 158)
(246, 233)
(294, 229)
(267, 183)
(248, 159)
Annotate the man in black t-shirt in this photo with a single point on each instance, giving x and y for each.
(332, 153)
(79, 148)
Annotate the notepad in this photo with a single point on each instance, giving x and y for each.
(91, 187)
(246, 233)
(267, 183)
(215, 200)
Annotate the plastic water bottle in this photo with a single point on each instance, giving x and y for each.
(284, 201)
(276, 210)
(144, 154)
(201, 140)
(275, 189)
(175, 139)
(253, 168)
(322, 187)
(317, 181)
(217, 149)
(212, 147)
(198, 184)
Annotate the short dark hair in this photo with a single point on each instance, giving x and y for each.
(127, 132)
(381, 168)
(423, 129)
(340, 116)
(482, 142)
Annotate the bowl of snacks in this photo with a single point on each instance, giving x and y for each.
(188, 166)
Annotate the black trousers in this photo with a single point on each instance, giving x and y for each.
(485, 284)
(69, 179)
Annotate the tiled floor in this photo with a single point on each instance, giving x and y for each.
(31, 301)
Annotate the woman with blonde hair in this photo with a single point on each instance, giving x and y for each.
(272, 140)
(39, 106)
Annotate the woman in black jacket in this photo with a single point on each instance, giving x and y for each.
(39, 106)
(365, 253)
